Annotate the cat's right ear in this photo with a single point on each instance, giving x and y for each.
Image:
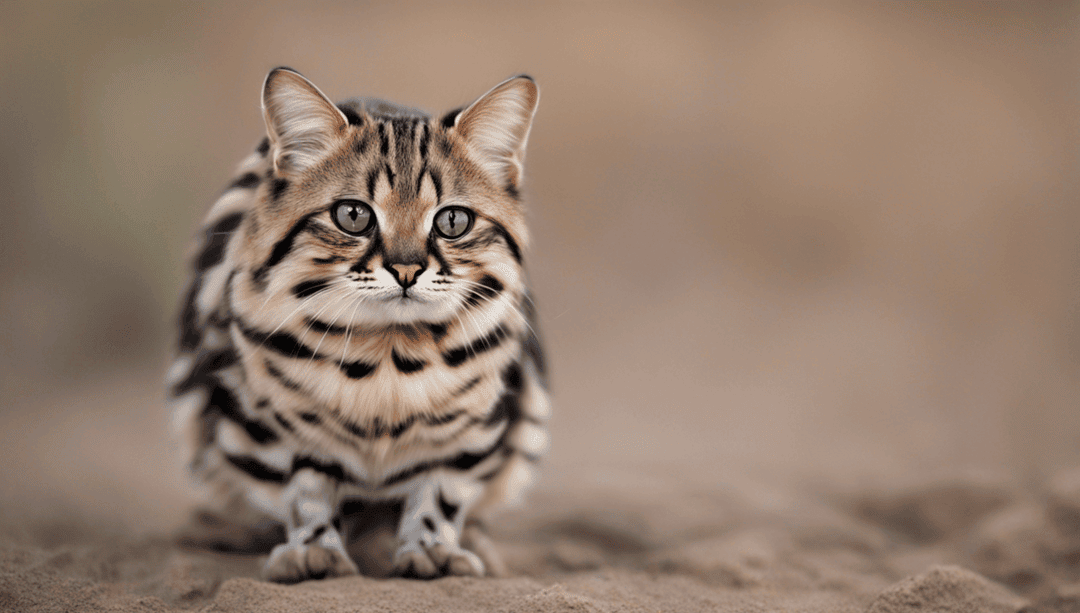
(303, 125)
(497, 126)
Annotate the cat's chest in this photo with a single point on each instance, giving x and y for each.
(362, 376)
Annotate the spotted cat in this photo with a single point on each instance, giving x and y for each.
(358, 327)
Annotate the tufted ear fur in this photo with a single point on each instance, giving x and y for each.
(301, 122)
(497, 127)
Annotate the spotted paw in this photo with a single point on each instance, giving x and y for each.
(436, 560)
(293, 564)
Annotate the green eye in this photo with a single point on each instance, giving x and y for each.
(453, 222)
(352, 216)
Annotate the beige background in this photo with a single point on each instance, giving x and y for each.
(836, 242)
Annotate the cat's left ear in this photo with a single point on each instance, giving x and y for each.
(497, 127)
(303, 125)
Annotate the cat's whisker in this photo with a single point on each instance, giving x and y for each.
(329, 326)
(344, 292)
(270, 294)
(510, 303)
(474, 331)
(304, 302)
(349, 329)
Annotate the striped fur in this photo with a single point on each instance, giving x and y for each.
(316, 366)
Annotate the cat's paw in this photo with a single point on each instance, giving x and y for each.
(426, 561)
(293, 564)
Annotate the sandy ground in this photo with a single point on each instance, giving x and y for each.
(105, 524)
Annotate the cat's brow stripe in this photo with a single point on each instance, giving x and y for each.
(372, 180)
(436, 181)
(425, 138)
(404, 130)
(384, 140)
(363, 144)
(390, 176)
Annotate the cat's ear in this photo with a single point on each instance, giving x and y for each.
(303, 125)
(497, 127)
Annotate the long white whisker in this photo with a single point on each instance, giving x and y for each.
(269, 296)
(315, 352)
(524, 319)
(349, 329)
(345, 291)
(509, 303)
(475, 327)
(303, 303)
(342, 381)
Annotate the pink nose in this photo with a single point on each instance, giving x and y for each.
(406, 273)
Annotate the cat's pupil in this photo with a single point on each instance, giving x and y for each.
(453, 222)
(352, 217)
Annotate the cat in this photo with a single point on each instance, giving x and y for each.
(358, 327)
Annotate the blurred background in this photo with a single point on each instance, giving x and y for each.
(813, 241)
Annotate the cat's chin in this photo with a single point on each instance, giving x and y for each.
(400, 309)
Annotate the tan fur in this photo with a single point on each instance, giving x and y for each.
(398, 356)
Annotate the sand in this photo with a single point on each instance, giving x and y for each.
(103, 524)
(718, 551)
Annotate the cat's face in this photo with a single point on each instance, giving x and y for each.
(376, 219)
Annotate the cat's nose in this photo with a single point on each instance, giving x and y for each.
(406, 273)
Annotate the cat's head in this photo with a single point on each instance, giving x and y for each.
(376, 214)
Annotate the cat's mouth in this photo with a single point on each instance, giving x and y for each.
(407, 295)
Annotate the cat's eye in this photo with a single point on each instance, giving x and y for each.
(352, 216)
(453, 222)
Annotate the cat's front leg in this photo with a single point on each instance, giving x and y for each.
(314, 548)
(432, 524)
